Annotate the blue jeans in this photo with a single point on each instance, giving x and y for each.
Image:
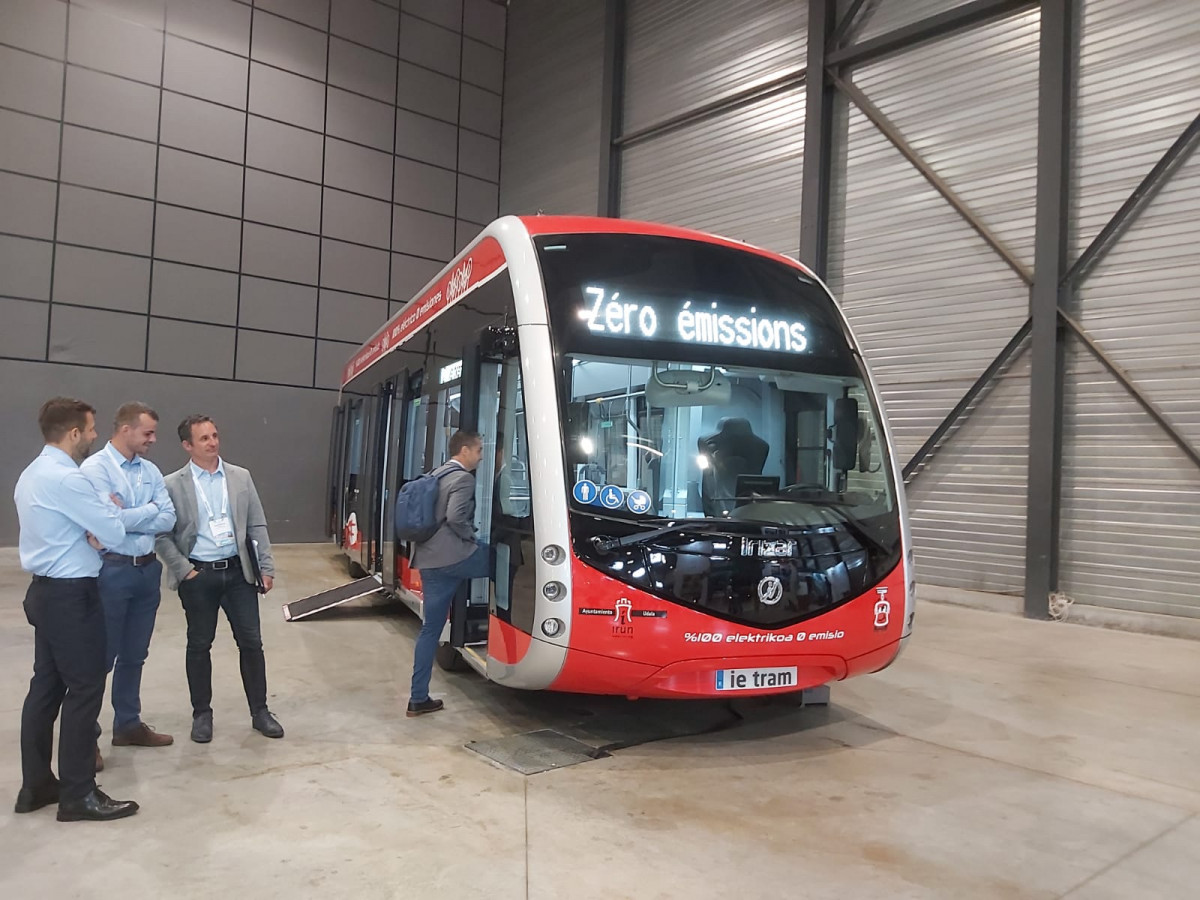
(130, 595)
(438, 587)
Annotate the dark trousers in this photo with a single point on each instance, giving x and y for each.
(130, 595)
(202, 597)
(68, 674)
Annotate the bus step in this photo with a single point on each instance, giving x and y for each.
(307, 606)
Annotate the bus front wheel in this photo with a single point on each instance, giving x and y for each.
(449, 659)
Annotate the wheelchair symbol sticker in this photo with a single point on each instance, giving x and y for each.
(611, 497)
(585, 491)
(638, 502)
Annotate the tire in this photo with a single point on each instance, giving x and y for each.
(354, 570)
(449, 659)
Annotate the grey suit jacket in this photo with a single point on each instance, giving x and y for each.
(248, 517)
(454, 541)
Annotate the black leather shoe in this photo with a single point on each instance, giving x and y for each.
(29, 799)
(202, 727)
(425, 706)
(266, 723)
(96, 807)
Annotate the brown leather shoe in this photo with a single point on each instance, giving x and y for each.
(141, 735)
(99, 760)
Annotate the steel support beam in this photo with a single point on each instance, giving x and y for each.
(612, 97)
(818, 139)
(977, 12)
(1175, 157)
(847, 24)
(1050, 263)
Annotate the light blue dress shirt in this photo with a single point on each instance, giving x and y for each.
(147, 509)
(57, 506)
(215, 499)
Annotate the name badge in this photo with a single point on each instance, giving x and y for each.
(221, 528)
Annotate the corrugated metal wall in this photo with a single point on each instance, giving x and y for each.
(931, 302)
(739, 172)
(1131, 498)
(550, 146)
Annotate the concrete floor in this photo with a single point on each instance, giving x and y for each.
(998, 758)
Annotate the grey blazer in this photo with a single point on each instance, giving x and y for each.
(454, 541)
(176, 546)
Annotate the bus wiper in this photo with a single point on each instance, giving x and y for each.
(607, 544)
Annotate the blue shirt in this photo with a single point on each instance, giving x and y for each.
(212, 501)
(57, 506)
(147, 509)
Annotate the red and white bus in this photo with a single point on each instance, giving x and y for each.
(688, 478)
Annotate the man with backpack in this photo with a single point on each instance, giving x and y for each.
(446, 552)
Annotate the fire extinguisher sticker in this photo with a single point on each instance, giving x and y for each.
(883, 609)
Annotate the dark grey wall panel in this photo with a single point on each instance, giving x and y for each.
(464, 233)
(143, 12)
(349, 317)
(479, 155)
(552, 108)
(188, 348)
(331, 357)
(24, 333)
(275, 253)
(219, 23)
(37, 25)
(366, 22)
(108, 221)
(276, 200)
(410, 274)
(284, 149)
(97, 337)
(429, 140)
(28, 145)
(483, 20)
(255, 421)
(361, 70)
(186, 179)
(203, 127)
(358, 169)
(283, 43)
(429, 45)
(103, 101)
(102, 279)
(287, 97)
(203, 72)
(426, 234)
(349, 267)
(477, 199)
(26, 205)
(423, 91)
(361, 220)
(276, 306)
(108, 162)
(25, 267)
(30, 83)
(188, 292)
(483, 65)
(424, 186)
(111, 45)
(310, 12)
(480, 110)
(447, 13)
(200, 238)
(275, 358)
(359, 119)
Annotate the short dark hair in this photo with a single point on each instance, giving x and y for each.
(131, 413)
(462, 439)
(59, 415)
(185, 427)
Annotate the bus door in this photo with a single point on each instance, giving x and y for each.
(335, 476)
(395, 455)
(352, 472)
(372, 498)
(412, 463)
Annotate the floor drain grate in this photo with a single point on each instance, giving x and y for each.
(536, 751)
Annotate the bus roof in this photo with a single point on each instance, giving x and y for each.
(376, 346)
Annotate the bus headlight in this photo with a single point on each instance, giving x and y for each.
(552, 627)
(553, 554)
(554, 590)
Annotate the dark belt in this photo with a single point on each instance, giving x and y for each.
(122, 560)
(46, 579)
(216, 564)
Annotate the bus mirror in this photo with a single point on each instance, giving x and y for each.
(845, 433)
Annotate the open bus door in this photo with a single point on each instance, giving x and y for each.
(334, 484)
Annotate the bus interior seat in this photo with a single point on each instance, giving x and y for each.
(733, 450)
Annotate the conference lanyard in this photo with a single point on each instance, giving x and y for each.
(220, 526)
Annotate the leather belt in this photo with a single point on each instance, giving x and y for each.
(130, 560)
(216, 564)
(46, 579)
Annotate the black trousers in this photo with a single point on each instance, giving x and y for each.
(69, 672)
(202, 597)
